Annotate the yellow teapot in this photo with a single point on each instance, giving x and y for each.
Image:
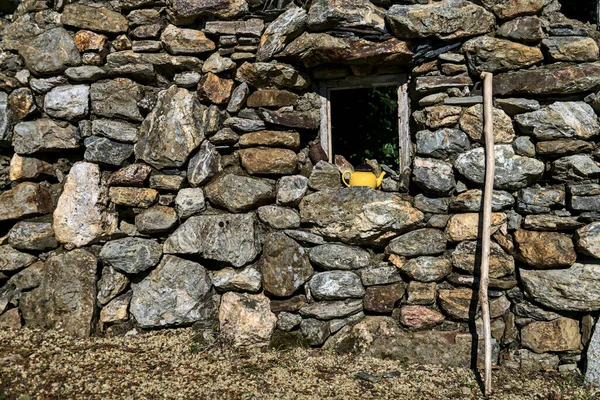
(363, 176)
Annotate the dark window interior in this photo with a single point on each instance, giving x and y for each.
(8, 6)
(582, 10)
(364, 124)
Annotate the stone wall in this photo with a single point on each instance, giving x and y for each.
(160, 167)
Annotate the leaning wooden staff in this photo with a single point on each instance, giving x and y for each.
(490, 166)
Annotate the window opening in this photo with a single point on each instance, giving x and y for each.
(364, 124)
(581, 10)
(368, 117)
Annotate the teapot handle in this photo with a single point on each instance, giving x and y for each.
(344, 177)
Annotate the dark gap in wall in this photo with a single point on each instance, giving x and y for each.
(364, 124)
(582, 10)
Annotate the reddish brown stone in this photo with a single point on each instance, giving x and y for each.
(419, 317)
(272, 98)
(21, 103)
(87, 40)
(269, 161)
(383, 298)
(131, 175)
(545, 249)
(214, 89)
(25, 200)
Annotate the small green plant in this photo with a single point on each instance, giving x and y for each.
(195, 348)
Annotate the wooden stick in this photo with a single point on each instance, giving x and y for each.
(490, 165)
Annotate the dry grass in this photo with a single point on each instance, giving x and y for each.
(169, 365)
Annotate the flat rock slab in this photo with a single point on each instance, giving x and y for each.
(368, 215)
(227, 238)
(574, 289)
(131, 255)
(177, 292)
(381, 337)
(314, 49)
(446, 20)
(553, 79)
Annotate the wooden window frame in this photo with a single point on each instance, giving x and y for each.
(398, 80)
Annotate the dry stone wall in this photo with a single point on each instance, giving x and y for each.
(160, 167)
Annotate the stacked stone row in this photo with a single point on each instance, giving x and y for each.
(156, 172)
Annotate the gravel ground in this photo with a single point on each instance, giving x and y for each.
(168, 364)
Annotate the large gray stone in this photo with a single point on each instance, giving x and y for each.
(338, 256)
(420, 242)
(105, 151)
(286, 27)
(446, 20)
(575, 168)
(50, 52)
(314, 49)
(172, 130)
(271, 76)
(381, 337)
(434, 176)
(324, 15)
(239, 193)
(177, 292)
(560, 120)
(512, 171)
(284, 265)
(336, 285)
(44, 135)
(573, 289)
(223, 9)
(117, 98)
(131, 255)
(444, 143)
(70, 102)
(81, 217)
(556, 78)
(369, 216)
(227, 238)
(66, 298)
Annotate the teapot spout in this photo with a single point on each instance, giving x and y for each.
(380, 178)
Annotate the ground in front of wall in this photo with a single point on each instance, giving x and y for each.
(170, 364)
